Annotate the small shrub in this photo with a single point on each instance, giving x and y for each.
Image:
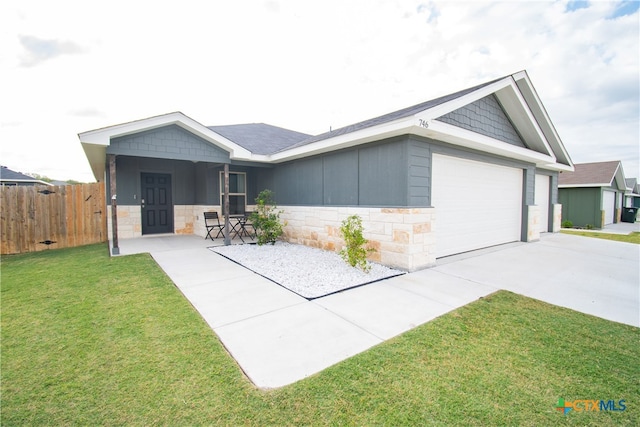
(266, 218)
(567, 224)
(354, 252)
(589, 227)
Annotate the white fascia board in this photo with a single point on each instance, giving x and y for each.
(465, 138)
(558, 167)
(523, 119)
(544, 121)
(619, 177)
(593, 185)
(374, 133)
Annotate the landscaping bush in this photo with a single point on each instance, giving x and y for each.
(567, 224)
(266, 218)
(354, 251)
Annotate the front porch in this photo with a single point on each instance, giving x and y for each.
(166, 243)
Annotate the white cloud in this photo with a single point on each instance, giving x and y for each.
(306, 66)
(38, 50)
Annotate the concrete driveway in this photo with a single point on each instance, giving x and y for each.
(278, 337)
(593, 276)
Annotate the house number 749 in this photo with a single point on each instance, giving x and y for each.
(423, 123)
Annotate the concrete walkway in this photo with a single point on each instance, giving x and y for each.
(278, 337)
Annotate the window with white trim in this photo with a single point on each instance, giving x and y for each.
(237, 192)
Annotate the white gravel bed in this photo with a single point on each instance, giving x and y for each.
(309, 272)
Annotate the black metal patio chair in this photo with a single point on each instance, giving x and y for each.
(246, 227)
(212, 222)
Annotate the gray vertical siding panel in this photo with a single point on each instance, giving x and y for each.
(529, 185)
(309, 182)
(419, 173)
(528, 198)
(554, 188)
(340, 179)
(383, 175)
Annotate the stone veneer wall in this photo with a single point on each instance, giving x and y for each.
(533, 225)
(403, 237)
(557, 218)
(187, 219)
(129, 222)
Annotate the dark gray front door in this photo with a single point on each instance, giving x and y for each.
(157, 207)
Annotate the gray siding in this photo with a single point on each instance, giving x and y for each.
(168, 142)
(485, 116)
(340, 179)
(554, 188)
(299, 182)
(382, 174)
(128, 170)
(419, 173)
(372, 175)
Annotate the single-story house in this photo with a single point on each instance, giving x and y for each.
(592, 195)
(9, 177)
(465, 171)
(632, 195)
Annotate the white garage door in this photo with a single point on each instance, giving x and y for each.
(477, 204)
(541, 199)
(608, 205)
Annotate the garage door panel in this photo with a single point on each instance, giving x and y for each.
(477, 204)
(608, 205)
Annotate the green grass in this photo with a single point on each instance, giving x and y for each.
(93, 340)
(629, 238)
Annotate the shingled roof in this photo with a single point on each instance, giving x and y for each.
(598, 174)
(8, 176)
(399, 114)
(260, 138)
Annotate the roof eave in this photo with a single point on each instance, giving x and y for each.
(386, 130)
(538, 110)
(588, 185)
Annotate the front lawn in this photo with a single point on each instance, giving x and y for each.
(93, 340)
(629, 238)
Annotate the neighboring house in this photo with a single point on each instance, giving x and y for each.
(9, 177)
(632, 194)
(592, 195)
(469, 170)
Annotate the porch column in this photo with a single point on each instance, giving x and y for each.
(114, 205)
(227, 238)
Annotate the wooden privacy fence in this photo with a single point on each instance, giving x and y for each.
(35, 218)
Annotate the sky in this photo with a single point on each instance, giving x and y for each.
(72, 66)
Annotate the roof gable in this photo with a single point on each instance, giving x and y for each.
(598, 174)
(487, 117)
